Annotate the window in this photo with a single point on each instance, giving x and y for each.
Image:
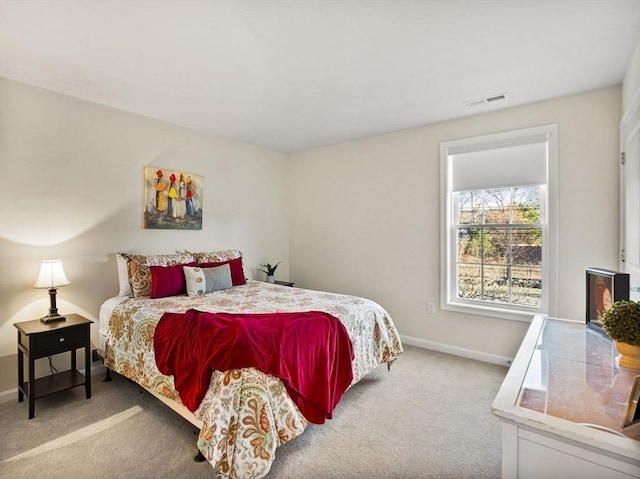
(499, 223)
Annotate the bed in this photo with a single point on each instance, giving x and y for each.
(245, 414)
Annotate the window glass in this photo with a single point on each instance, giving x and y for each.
(499, 247)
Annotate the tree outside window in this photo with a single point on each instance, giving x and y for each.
(499, 246)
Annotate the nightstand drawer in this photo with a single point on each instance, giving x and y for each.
(59, 341)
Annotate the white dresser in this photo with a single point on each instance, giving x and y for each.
(562, 405)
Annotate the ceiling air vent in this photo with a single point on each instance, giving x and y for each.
(488, 99)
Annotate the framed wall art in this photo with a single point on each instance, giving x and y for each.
(172, 199)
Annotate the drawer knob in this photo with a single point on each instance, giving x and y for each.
(62, 340)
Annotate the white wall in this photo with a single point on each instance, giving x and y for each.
(72, 188)
(631, 84)
(365, 217)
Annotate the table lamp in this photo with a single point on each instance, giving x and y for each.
(52, 276)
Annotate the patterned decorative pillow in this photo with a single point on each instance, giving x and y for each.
(217, 256)
(207, 280)
(140, 273)
(232, 256)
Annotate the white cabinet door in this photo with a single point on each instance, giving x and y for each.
(630, 193)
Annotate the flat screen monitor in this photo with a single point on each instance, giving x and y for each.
(604, 287)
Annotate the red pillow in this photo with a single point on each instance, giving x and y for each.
(235, 265)
(168, 280)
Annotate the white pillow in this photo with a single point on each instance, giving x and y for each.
(124, 288)
(207, 280)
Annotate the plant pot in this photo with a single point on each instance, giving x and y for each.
(271, 279)
(629, 355)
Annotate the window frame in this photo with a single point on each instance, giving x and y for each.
(549, 207)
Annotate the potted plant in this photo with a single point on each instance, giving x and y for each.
(270, 270)
(621, 322)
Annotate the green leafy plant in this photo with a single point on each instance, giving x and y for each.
(621, 322)
(269, 269)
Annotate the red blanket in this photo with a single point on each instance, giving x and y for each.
(310, 352)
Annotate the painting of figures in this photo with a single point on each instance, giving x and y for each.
(172, 199)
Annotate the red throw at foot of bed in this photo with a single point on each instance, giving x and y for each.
(310, 352)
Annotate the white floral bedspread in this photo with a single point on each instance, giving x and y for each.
(246, 414)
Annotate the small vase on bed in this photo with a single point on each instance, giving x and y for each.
(270, 278)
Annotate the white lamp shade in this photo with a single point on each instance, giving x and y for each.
(51, 275)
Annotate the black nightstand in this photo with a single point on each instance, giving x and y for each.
(38, 340)
(284, 283)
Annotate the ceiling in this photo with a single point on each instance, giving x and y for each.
(297, 75)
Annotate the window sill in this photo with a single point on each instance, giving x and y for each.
(499, 313)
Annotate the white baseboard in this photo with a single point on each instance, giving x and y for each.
(457, 351)
(12, 394)
(6, 396)
(420, 343)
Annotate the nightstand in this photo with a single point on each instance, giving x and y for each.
(284, 283)
(38, 340)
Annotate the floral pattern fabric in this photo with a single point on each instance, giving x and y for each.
(139, 270)
(246, 414)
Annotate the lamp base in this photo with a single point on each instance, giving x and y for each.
(50, 318)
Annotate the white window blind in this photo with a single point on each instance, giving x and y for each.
(521, 165)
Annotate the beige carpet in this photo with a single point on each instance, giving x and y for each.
(428, 418)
